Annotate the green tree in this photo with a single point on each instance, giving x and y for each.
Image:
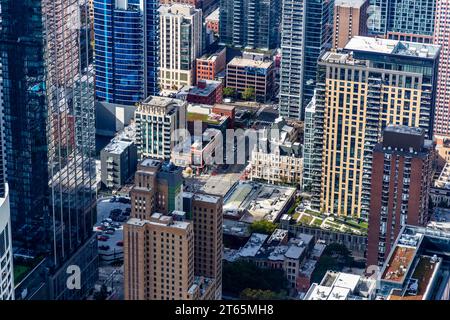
(240, 275)
(258, 294)
(263, 226)
(229, 92)
(248, 94)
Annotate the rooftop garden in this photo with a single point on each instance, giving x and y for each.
(315, 219)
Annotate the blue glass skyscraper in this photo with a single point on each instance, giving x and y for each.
(126, 50)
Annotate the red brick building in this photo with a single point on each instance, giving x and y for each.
(209, 66)
(226, 110)
(207, 92)
(401, 178)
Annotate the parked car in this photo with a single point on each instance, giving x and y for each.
(102, 238)
(101, 228)
(119, 243)
(103, 247)
(110, 231)
(116, 225)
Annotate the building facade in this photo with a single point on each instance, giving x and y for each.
(208, 67)
(243, 73)
(402, 19)
(180, 45)
(306, 32)
(252, 24)
(442, 37)
(159, 124)
(400, 188)
(207, 92)
(118, 161)
(159, 242)
(50, 135)
(358, 95)
(206, 215)
(126, 51)
(350, 19)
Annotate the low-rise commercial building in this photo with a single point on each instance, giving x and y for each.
(206, 92)
(250, 201)
(209, 66)
(247, 74)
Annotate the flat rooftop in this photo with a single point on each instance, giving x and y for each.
(253, 201)
(399, 263)
(393, 47)
(243, 62)
(205, 88)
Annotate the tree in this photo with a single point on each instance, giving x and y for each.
(263, 226)
(248, 94)
(258, 294)
(229, 92)
(240, 275)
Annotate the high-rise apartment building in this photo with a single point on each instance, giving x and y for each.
(251, 24)
(442, 37)
(159, 124)
(350, 19)
(6, 254)
(308, 145)
(205, 211)
(48, 98)
(377, 82)
(400, 184)
(126, 50)
(407, 20)
(180, 45)
(306, 32)
(159, 243)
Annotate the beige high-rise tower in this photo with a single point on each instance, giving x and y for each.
(206, 214)
(159, 247)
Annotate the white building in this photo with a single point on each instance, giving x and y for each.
(6, 258)
(180, 45)
(160, 123)
(276, 159)
(342, 286)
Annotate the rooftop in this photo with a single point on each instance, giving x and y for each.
(393, 47)
(252, 201)
(350, 3)
(205, 88)
(242, 62)
(342, 286)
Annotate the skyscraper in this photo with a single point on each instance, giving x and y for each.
(158, 241)
(6, 255)
(442, 37)
(126, 50)
(350, 19)
(375, 83)
(410, 20)
(181, 44)
(400, 184)
(48, 100)
(206, 214)
(251, 24)
(306, 32)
